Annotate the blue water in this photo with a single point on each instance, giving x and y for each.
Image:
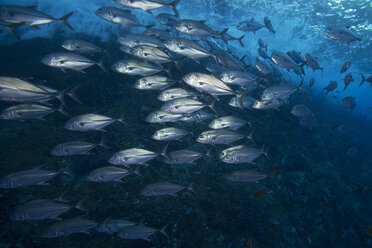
(312, 193)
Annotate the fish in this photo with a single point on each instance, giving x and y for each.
(342, 34)
(250, 26)
(163, 188)
(75, 148)
(301, 110)
(348, 102)
(247, 102)
(81, 46)
(274, 103)
(257, 193)
(167, 19)
(284, 61)
(29, 111)
(242, 154)
(136, 67)
(268, 25)
(221, 136)
(281, 91)
(17, 90)
(183, 156)
(240, 78)
(169, 133)
(345, 66)
(131, 40)
(88, 122)
(161, 116)
(71, 61)
(230, 122)
(246, 176)
(150, 53)
(312, 82)
(199, 29)
(207, 83)
(215, 68)
(364, 79)
(132, 156)
(229, 37)
(175, 93)
(198, 116)
(184, 106)
(296, 56)
(348, 80)
(155, 82)
(227, 60)
(70, 226)
(262, 53)
(187, 48)
(309, 121)
(263, 67)
(22, 179)
(140, 232)
(120, 16)
(112, 226)
(30, 16)
(312, 62)
(108, 174)
(331, 86)
(261, 44)
(148, 5)
(42, 209)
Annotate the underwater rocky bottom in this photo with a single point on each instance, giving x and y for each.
(310, 199)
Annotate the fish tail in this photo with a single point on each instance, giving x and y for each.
(302, 68)
(100, 64)
(122, 120)
(163, 231)
(173, 6)
(67, 170)
(62, 110)
(191, 187)
(266, 150)
(363, 80)
(79, 205)
(177, 63)
(102, 143)
(300, 85)
(250, 136)
(164, 152)
(72, 93)
(12, 28)
(240, 39)
(222, 34)
(212, 106)
(209, 152)
(137, 171)
(63, 20)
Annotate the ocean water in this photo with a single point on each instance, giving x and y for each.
(317, 187)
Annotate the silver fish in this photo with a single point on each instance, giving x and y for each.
(70, 226)
(220, 136)
(89, 122)
(227, 60)
(81, 46)
(136, 67)
(331, 86)
(28, 111)
(197, 116)
(243, 176)
(75, 148)
(26, 178)
(348, 80)
(182, 157)
(175, 93)
(155, 82)
(207, 83)
(229, 37)
(247, 102)
(132, 40)
(296, 56)
(112, 226)
(132, 156)
(70, 61)
(250, 26)
(345, 66)
(187, 48)
(240, 78)
(268, 104)
(148, 5)
(264, 67)
(167, 19)
(40, 210)
(170, 133)
(198, 29)
(268, 25)
(108, 174)
(152, 54)
(280, 91)
(119, 16)
(284, 61)
(157, 33)
(241, 154)
(312, 62)
(163, 188)
(230, 122)
(161, 116)
(301, 110)
(140, 232)
(341, 34)
(184, 106)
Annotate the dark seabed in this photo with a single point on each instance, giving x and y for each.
(316, 192)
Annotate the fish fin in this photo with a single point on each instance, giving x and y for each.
(222, 34)
(250, 136)
(363, 80)
(62, 110)
(13, 29)
(137, 171)
(240, 39)
(102, 142)
(79, 205)
(86, 232)
(191, 187)
(41, 118)
(149, 11)
(55, 218)
(266, 150)
(43, 183)
(67, 170)
(147, 239)
(71, 93)
(122, 120)
(63, 20)
(164, 152)
(173, 6)
(177, 63)
(209, 152)
(212, 106)
(100, 64)
(32, 6)
(63, 70)
(163, 231)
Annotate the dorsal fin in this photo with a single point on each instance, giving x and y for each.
(32, 6)
(202, 21)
